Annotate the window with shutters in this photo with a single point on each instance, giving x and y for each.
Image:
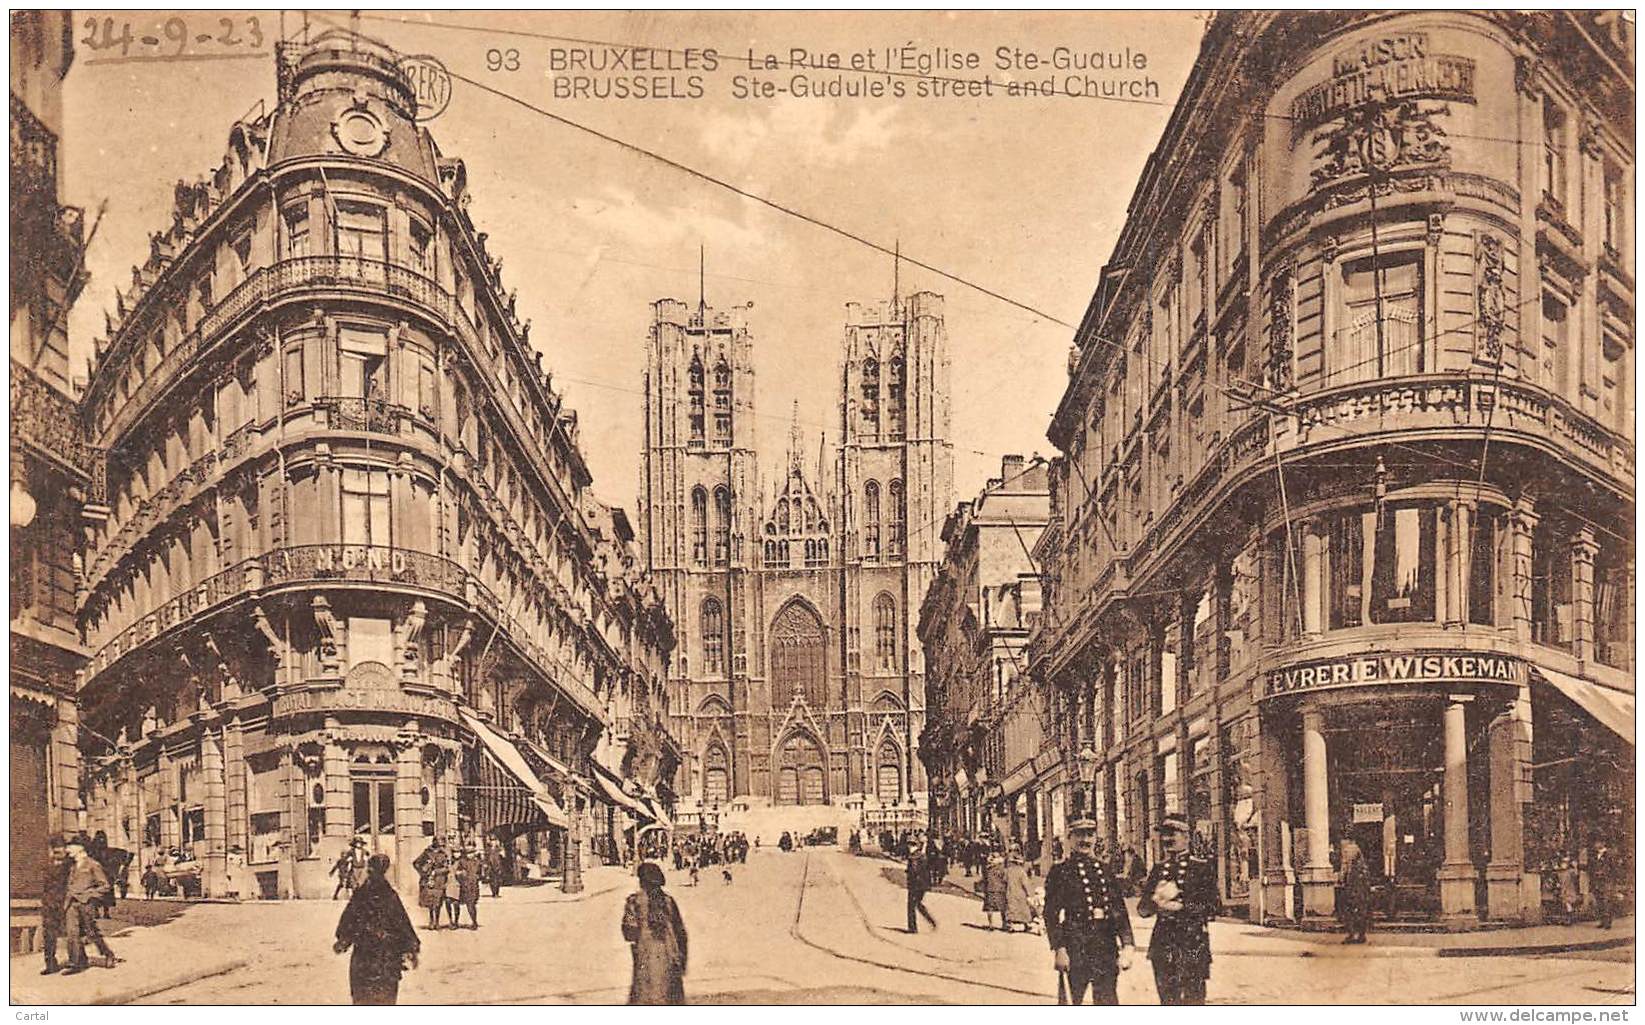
(699, 527)
(870, 397)
(871, 520)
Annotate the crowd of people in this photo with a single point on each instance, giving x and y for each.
(696, 851)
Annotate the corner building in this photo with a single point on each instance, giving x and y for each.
(798, 682)
(353, 583)
(1344, 537)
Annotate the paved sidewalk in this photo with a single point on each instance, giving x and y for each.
(154, 960)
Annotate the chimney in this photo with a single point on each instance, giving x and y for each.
(1010, 468)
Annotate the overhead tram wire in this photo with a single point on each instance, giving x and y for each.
(1268, 404)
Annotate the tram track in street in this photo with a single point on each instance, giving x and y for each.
(796, 932)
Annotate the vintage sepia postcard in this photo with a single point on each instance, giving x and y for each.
(965, 507)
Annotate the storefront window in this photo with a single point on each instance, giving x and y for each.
(1551, 620)
(1613, 606)
(1482, 567)
(1402, 581)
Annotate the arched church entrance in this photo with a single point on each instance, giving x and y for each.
(801, 773)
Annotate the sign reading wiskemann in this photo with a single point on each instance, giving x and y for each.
(1416, 667)
(1387, 69)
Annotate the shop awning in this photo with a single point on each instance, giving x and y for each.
(503, 753)
(658, 814)
(613, 788)
(1613, 708)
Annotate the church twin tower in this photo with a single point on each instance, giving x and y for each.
(798, 678)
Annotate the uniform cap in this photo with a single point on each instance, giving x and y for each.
(1083, 826)
(1173, 824)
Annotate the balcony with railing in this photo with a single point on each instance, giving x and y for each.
(298, 278)
(48, 422)
(346, 565)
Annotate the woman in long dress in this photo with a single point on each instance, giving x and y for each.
(653, 929)
(1019, 899)
(993, 889)
(1354, 893)
(375, 925)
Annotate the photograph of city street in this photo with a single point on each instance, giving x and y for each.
(819, 508)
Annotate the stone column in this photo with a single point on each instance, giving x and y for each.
(65, 810)
(1457, 875)
(1584, 547)
(1274, 793)
(234, 769)
(408, 813)
(339, 812)
(292, 822)
(215, 859)
(1506, 868)
(1522, 523)
(1461, 557)
(170, 826)
(1318, 878)
(1313, 578)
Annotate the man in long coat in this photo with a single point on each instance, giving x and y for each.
(376, 926)
(433, 867)
(86, 889)
(1182, 891)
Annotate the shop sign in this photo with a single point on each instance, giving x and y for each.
(1368, 812)
(1416, 667)
(1388, 69)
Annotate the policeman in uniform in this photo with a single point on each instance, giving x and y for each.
(1182, 891)
(1086, 920)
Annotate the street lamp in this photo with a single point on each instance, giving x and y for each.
(1087, 769)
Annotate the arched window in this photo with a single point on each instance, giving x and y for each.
(782, 516)
(771, 553)
(870, 396)
(899, 512)
(885, 631)
(895, 411)
(797, 666)
(871, 520)
(722, 404)
(713, 637)
(722, 526)
(699, 527)
(696, 400)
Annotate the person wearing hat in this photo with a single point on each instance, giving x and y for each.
(86, 888)
(467, 871)
(349, 868)
(1085, 920)
(53, 895)
(1182, 891)
(433, 867)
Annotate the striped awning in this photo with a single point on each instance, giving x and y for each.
(508, 792)
(612, 787)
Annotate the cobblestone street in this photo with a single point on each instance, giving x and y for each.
(817, 927)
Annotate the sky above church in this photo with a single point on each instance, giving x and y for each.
(1021, 194)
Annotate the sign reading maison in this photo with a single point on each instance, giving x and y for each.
(1417, 667)
(1386, 69)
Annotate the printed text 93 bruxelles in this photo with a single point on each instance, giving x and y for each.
(629, 72)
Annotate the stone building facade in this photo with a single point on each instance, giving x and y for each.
(798, 683)
(1343, 544)
(56, 477)
(353, 577)
(990, 743)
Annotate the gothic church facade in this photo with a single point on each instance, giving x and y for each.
(798, 680)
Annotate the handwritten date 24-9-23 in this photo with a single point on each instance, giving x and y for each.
(176, 37)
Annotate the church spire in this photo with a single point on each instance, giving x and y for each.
(702, 283)
(896, 277)
(794, 452)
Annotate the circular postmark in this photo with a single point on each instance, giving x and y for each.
(430, 84)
